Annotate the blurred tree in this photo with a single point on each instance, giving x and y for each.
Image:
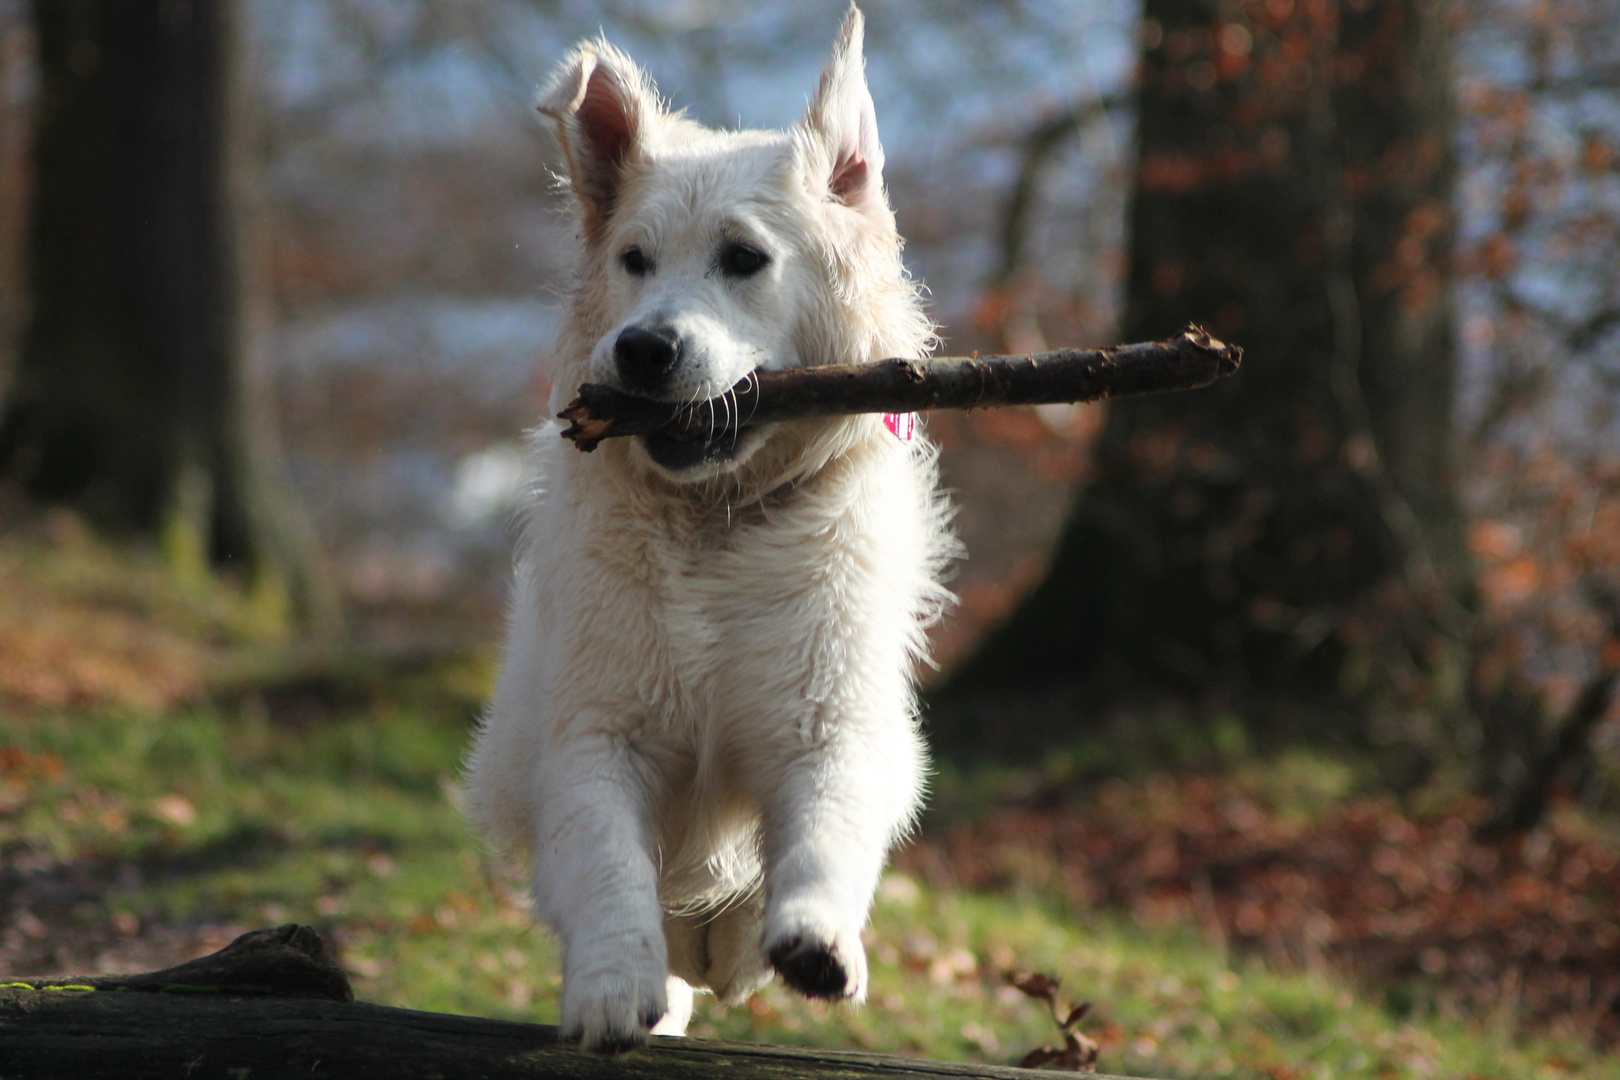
(137, 398)
(1542, 266)
(1293, 193)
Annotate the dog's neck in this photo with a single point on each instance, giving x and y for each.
(800, 461)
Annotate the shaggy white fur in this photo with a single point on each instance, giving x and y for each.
(705, 731)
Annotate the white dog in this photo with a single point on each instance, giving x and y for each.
(705, 733)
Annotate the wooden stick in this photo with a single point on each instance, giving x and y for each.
(1185, 362)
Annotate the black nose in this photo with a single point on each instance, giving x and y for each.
(645, 354)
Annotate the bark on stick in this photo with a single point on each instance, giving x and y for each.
(272, 1005)
(1190, 360)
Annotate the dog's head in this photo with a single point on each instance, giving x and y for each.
(710, 255)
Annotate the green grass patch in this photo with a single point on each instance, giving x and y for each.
(219, 815)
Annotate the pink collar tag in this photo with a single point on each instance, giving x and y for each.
(903, 425)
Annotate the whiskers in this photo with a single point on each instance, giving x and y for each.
(723, 411)
(749, 382)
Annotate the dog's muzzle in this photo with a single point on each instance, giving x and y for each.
(646, 358)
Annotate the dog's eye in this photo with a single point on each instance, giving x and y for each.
(636, 263)
(740, 260)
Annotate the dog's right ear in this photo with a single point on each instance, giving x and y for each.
(843, 121)
(603, 104)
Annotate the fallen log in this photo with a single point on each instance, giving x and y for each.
(1188, 361)
(273, 1005)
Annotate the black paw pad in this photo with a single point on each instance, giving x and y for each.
(811, 967)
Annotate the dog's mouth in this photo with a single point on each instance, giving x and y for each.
(681, 453)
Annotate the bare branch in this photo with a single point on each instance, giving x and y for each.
(1598, 78)
(1035, 150)
(1570, 742)
(1577, 334)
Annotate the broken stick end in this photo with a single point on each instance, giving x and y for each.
(584, 430)
(1228, 358)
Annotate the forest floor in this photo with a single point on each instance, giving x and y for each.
(171, 776)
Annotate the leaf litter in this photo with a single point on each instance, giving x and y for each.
(1525, 927)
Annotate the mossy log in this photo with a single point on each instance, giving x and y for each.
(273, 1005)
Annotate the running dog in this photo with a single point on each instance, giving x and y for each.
(705, 732)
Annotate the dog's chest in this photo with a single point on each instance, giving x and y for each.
(730, 607)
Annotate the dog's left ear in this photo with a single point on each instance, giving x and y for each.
(843, 120)
(602, 103)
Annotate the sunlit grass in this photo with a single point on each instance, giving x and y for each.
(348, 824)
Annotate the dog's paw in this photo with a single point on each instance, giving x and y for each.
(819, 964)
(611, 1001)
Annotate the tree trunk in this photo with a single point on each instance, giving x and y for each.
(1293, 193)
(136, 397)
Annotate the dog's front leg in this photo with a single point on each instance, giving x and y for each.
(841, 801)
(597, 885)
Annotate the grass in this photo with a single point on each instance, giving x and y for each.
(171, 779)
(219, 815)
